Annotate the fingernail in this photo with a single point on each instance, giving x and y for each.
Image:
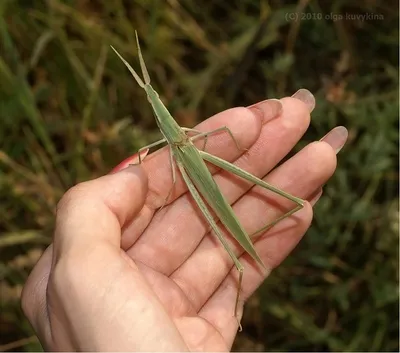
(124, 164)
(336, 138)
(314, 199)
(306, 97)
(267, 110)
(128, 161)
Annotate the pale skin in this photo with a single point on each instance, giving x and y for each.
(121, 276)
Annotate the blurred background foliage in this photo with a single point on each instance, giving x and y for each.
(70, 112)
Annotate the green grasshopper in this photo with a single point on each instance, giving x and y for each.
(191, 164)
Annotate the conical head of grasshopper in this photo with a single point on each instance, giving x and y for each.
(168, 126)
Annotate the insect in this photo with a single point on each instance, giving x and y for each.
(191, 163)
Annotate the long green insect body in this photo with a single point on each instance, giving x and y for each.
(190, 159)
(191, 163)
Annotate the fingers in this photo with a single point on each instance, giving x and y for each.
(272, 248)
(163, 246)
(301, 176)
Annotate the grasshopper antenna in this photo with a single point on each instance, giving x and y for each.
(142, 64)
(133, 72)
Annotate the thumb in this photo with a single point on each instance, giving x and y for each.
(95, 211)
(90, 277)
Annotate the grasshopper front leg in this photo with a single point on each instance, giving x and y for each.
(208, 133)
(159, 142)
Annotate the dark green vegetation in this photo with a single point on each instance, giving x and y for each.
(70, 112)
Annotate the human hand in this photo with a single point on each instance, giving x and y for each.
(120, 276)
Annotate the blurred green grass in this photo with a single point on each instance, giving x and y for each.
(70, 112)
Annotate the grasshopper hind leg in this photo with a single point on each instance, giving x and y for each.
(247, 176)
(204, 210)
(240, 270)
(271, 224)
